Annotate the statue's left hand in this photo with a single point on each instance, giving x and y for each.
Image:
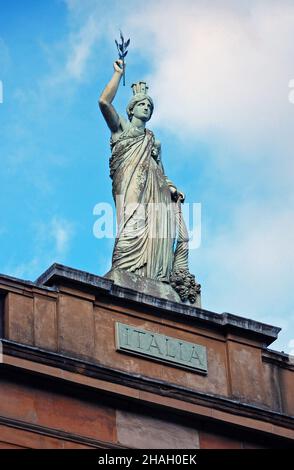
(177, 195)
(181, 196)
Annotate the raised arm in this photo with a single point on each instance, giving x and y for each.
(109, 113)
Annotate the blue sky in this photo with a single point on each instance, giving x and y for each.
(219, 75)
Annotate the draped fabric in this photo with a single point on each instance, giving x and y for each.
(146, 215)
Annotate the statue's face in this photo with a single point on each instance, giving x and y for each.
(142, 110)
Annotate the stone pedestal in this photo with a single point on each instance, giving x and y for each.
(161, 290)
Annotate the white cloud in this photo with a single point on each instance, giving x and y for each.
(248, 267)
(220, 69)
(89, 21)
(61, 230)
(81, 47)
(77, 50)
(51, 244)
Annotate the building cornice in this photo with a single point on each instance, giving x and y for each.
(136, 387)
(227, 322)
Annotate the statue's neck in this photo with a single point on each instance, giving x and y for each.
(138, 123)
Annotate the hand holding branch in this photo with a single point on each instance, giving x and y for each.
(122, 52)
(119, 66)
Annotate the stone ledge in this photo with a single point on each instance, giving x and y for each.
(58, 274)
(62, 275)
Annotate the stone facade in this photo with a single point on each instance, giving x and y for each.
(64, 383)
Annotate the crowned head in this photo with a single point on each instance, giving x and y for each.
(139, 95)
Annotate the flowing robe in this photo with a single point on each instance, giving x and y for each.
(146, 215)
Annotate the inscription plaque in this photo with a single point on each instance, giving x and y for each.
(160, 347)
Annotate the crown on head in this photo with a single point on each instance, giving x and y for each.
(140, 88)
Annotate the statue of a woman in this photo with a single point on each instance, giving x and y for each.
(147, 203)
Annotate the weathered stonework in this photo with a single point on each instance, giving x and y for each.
(64, 383)
(161, 290)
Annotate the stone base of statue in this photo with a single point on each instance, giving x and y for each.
(161, 290)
